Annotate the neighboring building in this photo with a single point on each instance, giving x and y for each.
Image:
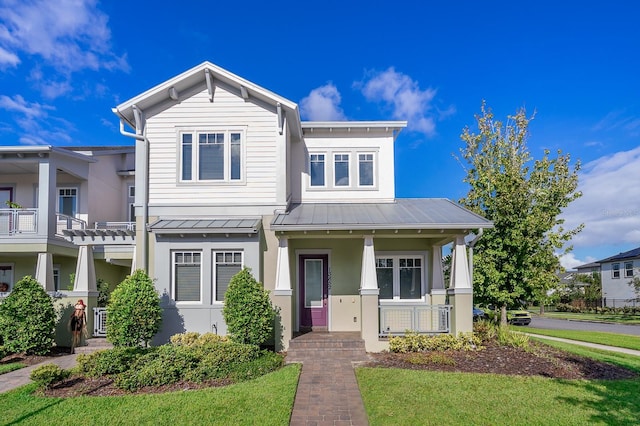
(616, 273)
(228, 176)
(66, 211)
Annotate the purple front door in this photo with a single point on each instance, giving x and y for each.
(314, 289)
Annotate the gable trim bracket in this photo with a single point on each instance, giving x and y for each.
(211, 88)
(280, 118)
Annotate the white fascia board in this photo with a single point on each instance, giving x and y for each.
(396, 125)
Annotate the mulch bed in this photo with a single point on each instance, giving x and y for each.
(28, 360)
(539, 360)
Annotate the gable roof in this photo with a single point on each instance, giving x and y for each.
(631, 254)
(404, 213)
(170, 91)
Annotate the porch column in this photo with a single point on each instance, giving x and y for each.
(85, 271)
(460, 290)
(282, 296)
(133, 260)
(438, 292)
(47, 197)
(369, 292)
(44, 271)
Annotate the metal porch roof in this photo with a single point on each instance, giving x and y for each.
(406, 213)
(236, 225)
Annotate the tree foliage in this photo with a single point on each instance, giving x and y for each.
(517, 259)
(134, 314)
(27, 319)
(247, 310)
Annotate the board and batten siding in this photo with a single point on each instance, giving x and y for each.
(228, 111)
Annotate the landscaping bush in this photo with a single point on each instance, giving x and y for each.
(485, 330)
(247, 310)
(220, 360)
(414, 342)
(107, 362)
(47, 375)
(193, 338)
(133, 313)
(507, 337)
(3, 352)
(27, 319)
(265, 363)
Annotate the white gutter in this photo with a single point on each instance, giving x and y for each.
(144, 173)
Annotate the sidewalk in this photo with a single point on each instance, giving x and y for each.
(587, 344)
(17, 378)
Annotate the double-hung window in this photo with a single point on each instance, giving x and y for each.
(187, 273)
(400, 276)
(211, 156)
(365, 170)
(341, 169)
(226, 265)
(615, 270)
(628, 269)
(316, 169)
(68, 201)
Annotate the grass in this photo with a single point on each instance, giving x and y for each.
(5, 368)
(407, 397)
(603, 338)
(616, 318)
(267, 400)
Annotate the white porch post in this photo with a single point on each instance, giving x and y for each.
(460, 290)
(47, 182)
(369, 292)
(282, 296)
(133, 260)
(438, 292)
(85, 271)
(44, 271)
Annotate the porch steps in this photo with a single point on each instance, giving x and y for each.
(319, 345)
(93, 345)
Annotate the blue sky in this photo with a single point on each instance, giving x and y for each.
(65, 63)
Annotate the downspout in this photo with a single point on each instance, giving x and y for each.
(471, 244)
(140, 136)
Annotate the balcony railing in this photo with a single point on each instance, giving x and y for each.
(65, 222)
(116, 226)
(18, 221)
(428, 319)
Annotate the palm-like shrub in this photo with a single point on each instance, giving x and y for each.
(27, 319)
(133, 313)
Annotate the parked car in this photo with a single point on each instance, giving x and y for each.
(479, 314)
(518, 317)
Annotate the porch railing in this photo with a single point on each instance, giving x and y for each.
(65, 222)
(116, 226)
(18, 221)
(428, 319)
(99, 322)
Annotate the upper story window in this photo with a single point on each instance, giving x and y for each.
(316, 169)
(68, 201)
(615, 270)
(211, 156)
(628, 269)
(365, 170)
(341, 169)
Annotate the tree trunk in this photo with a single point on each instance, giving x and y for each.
(503, 315)
(541, 309)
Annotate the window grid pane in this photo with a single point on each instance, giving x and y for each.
(236, 158)
(187, 276)
(227, 264)
(384, 273)
(187, 156)
(211, 159)
(365, 170)
(341, 169)
(317, 169)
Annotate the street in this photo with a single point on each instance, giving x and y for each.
(560, 324)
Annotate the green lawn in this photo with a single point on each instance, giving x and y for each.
(5, 368)
(612, 339)
(619, 318)
(267, 400)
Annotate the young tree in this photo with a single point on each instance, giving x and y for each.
(134, 314)
(516, 260)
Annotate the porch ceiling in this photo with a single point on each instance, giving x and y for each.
(406, 213)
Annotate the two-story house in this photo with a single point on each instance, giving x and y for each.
(616, 273)
(65, 218)
(228, 176)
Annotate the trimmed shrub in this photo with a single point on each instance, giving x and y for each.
(3, 352)
(220, 360)
(47, 375)
(193, 338)
(247, 310)
(414, 342)
(27, 319)
(508, 337)
(265, 363)
(107, 362)
(485, 330)
(133, 313)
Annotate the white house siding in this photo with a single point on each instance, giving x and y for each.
(227, 111)
(378, 142)
(616, 291)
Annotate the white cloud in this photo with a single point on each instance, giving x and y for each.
(569, 261)
(8, 58)
(610, 204)
(322, 104)
(406, 100)
(18, 104)
(36, 125)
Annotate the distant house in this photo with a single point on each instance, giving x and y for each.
(228, 176)
(616, 273)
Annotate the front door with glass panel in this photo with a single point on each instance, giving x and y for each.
(314, 290)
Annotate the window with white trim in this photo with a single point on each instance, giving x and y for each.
(68, 201)
(316, 169)
(6, 277)
(211, 156)
(400, 276)
(187, 276)
(365, 170)
(225, 265)
(341, 170)
(628, 269)
(615, 270)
